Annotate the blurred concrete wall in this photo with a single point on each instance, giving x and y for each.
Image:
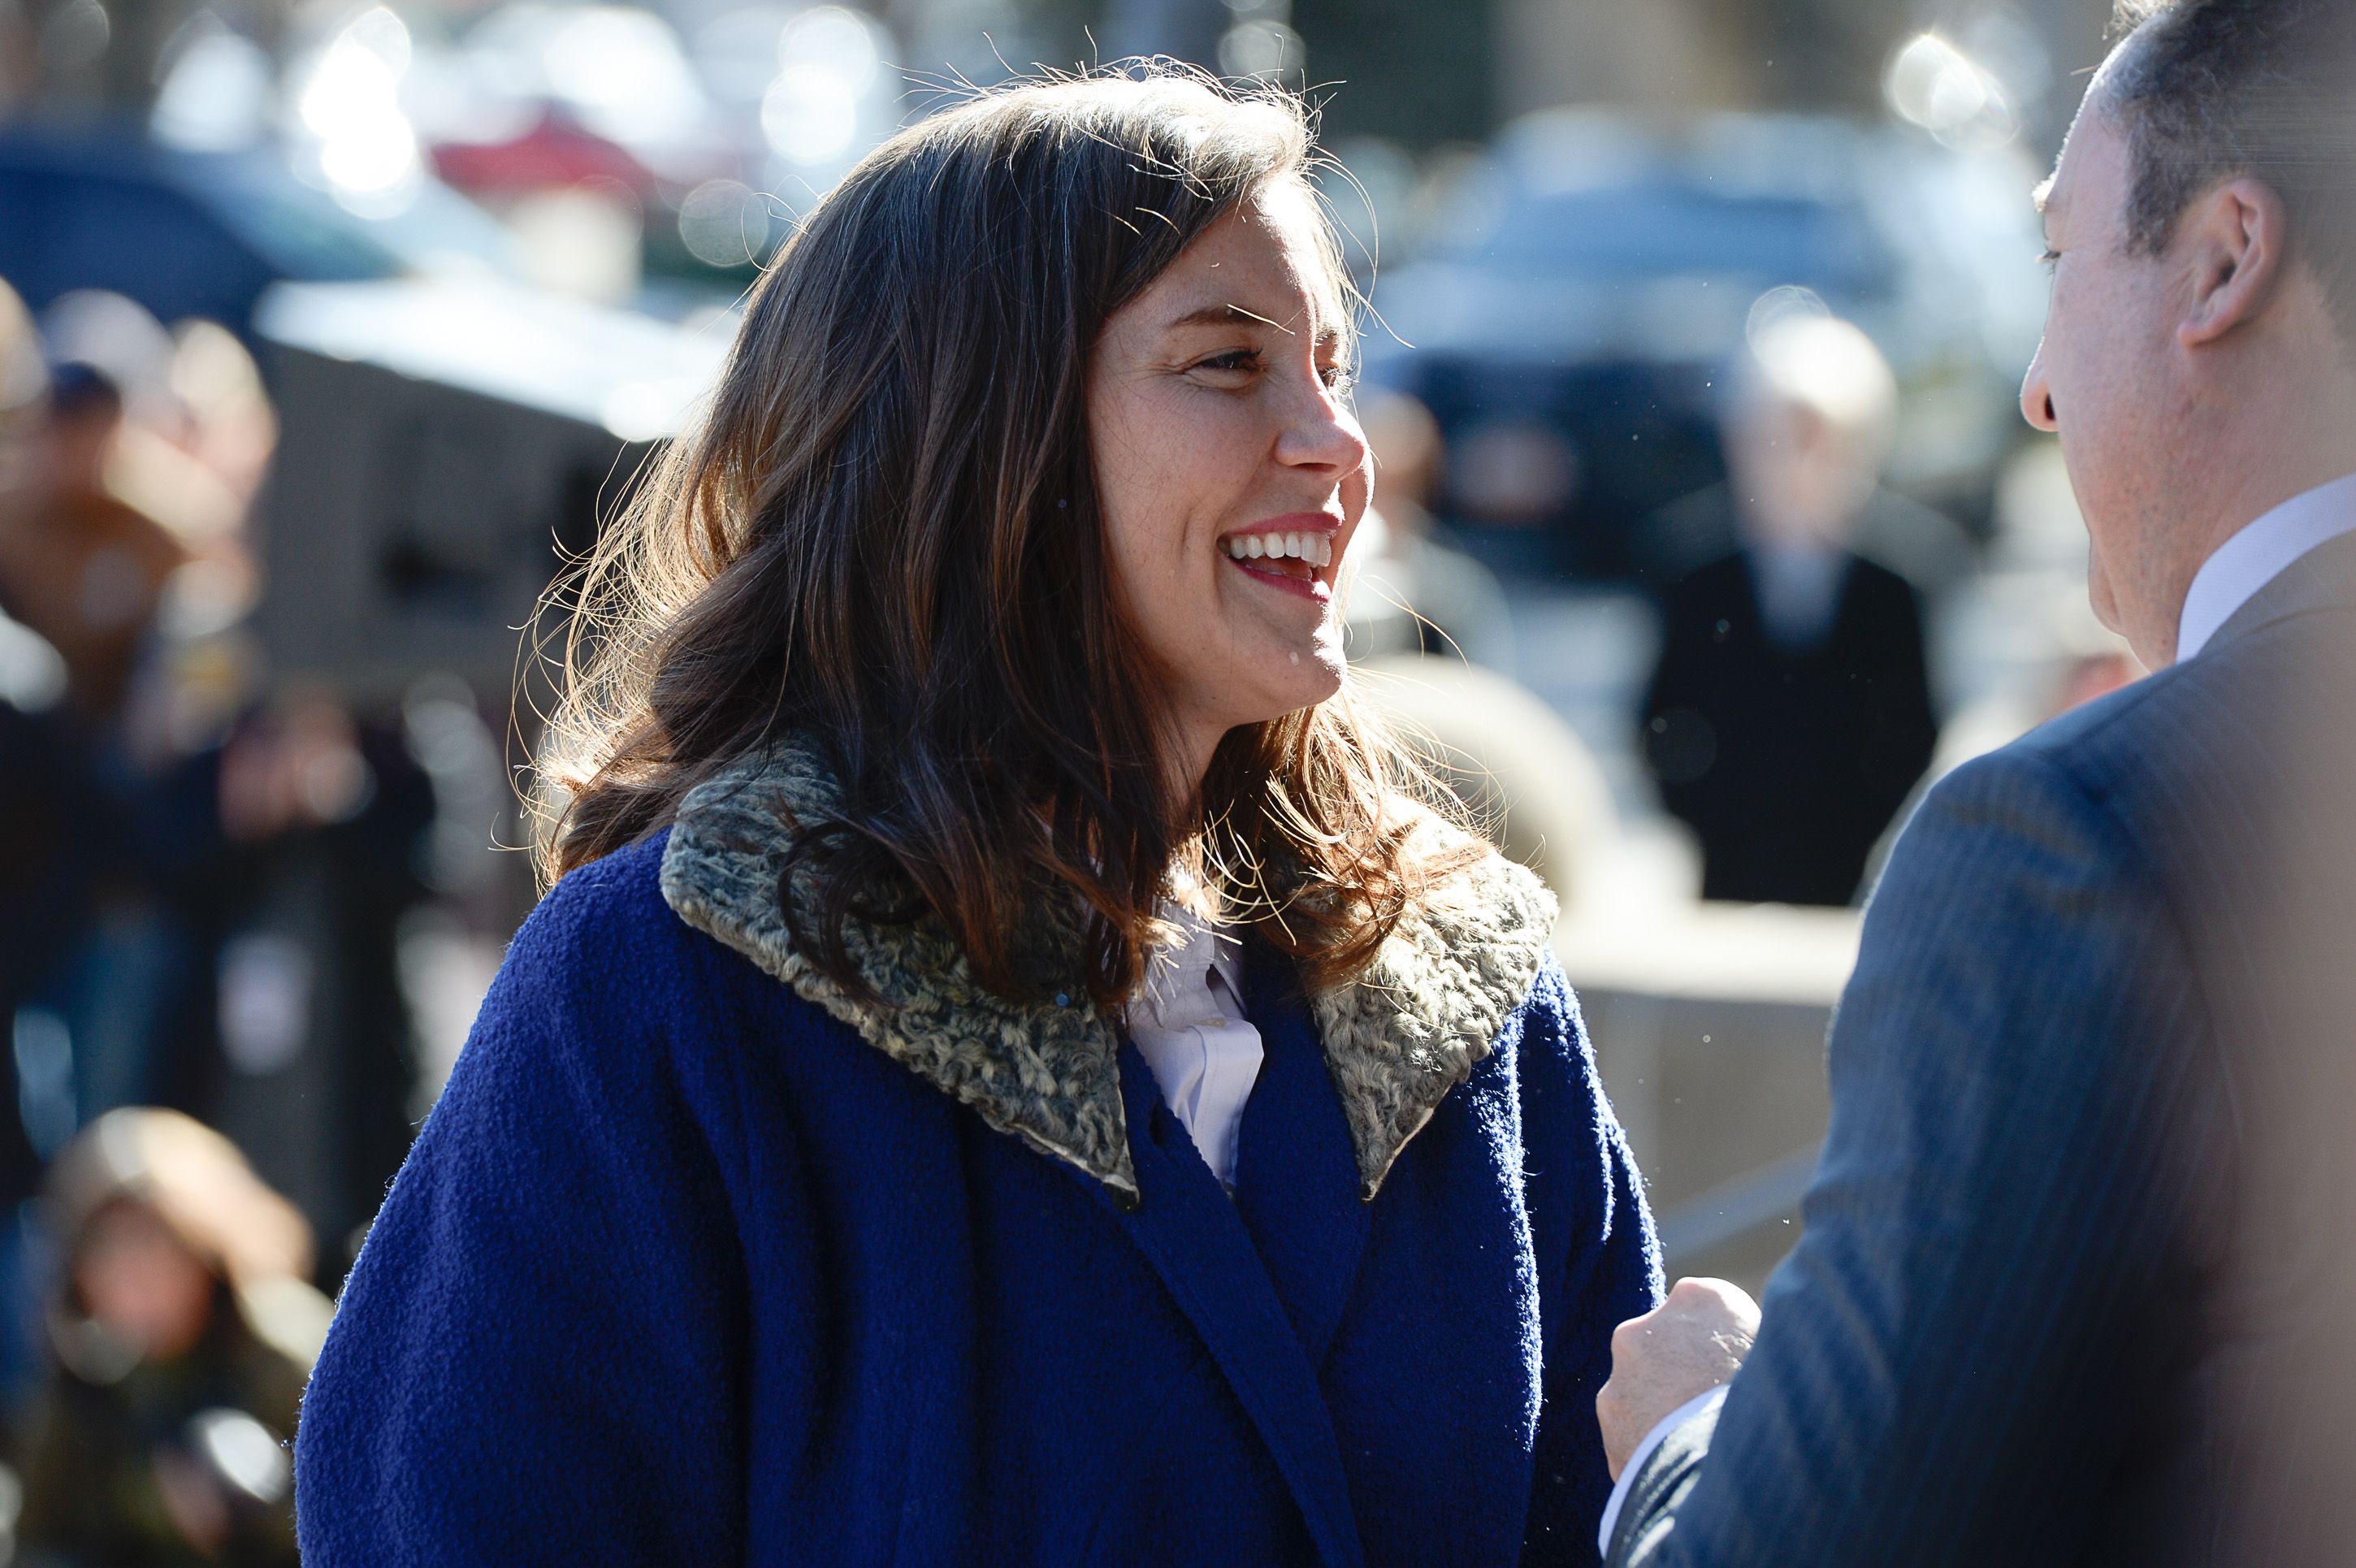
(1708, 1026)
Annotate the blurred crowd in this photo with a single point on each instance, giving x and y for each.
(199, 870)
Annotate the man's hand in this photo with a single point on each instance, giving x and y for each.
(1681, 1349)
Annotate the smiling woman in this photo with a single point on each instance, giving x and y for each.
(1009, 1071)
(962, 512)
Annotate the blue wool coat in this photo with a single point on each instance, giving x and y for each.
(700, 1261)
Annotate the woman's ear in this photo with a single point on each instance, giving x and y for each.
(2238, 237)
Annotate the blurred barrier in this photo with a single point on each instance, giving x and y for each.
(1521, 772)
(1709, 1022)
(446, 448)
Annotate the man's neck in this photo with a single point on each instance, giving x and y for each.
(2240, 568)
(2259, 451)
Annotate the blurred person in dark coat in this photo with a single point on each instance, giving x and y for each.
(1790, 712)
(2081, 1251)
(197, 853)
(182, 1332)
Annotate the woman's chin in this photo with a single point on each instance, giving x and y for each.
(1308, 676)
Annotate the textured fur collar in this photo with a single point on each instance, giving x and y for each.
(1397, 1039)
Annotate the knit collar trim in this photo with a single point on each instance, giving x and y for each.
(1396, 1038)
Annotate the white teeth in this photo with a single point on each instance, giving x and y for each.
(1315, 549)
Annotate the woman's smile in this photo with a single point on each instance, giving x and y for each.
(1293, 554)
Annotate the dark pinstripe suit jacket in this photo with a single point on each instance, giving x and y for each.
(2075, 1285)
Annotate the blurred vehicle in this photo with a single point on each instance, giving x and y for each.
(189, 234)
(1571, 319)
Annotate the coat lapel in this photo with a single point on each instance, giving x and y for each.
(1416, 1022)
(1044, 1071)
(1186, 1228)
(1296, 1176)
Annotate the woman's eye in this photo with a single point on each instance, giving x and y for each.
(2052, 259)
(1338, 378)
(1242, 360)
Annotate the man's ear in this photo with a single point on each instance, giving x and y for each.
(2238, 237)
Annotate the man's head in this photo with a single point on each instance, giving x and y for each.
(1810, 418)
(2198, 360)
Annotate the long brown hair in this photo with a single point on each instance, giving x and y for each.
(884, 542)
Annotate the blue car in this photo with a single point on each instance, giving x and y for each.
(188, 233)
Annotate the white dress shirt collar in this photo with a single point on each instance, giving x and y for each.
(1187, 1022)
(2258, 554)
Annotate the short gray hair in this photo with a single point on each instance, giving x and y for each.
(2213, 90)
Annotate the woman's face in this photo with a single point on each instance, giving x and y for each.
(1231, 469)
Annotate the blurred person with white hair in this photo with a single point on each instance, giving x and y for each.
(1790, 712)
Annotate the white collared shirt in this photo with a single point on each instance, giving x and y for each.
(1188, 1023)
(2257, 556)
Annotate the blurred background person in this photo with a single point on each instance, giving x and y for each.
(215, 860)
(182, 1328)
(78, 564)
(1790, 712)
(1416, 594)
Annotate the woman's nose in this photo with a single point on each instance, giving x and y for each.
(2036, 396)
(1323, 433)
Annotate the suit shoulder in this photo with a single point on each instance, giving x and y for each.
(2032, 820)
(1707, 593)
(2138, 738)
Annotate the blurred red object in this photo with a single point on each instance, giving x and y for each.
(555, 154)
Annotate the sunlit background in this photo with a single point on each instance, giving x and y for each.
(329, 329)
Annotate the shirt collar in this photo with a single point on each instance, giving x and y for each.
(1197, 950)
(2258, 554)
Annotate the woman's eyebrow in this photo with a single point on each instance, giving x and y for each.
(1225, 316)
